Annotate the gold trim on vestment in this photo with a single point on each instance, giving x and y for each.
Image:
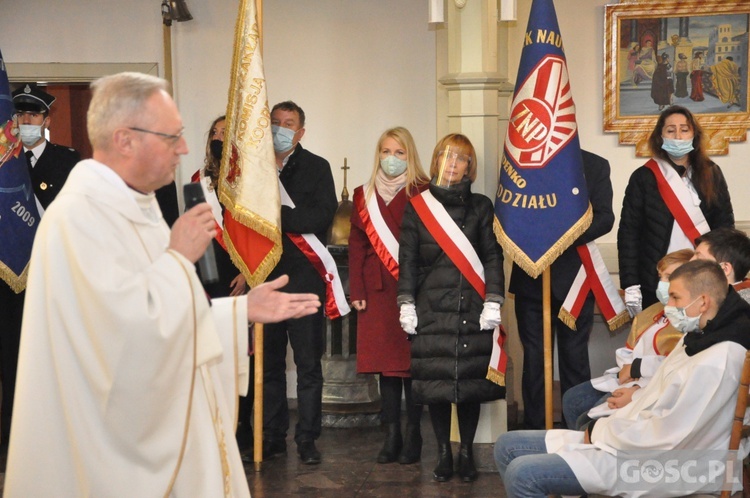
(171, 252)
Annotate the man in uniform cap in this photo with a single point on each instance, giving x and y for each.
(49, 164)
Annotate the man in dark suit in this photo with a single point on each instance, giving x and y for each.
(49, 166)
(572, 345)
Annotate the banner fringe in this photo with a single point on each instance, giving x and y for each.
(618, 320)
(496, 376)
(567, 318)
(535, 268)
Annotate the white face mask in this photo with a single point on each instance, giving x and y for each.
(29, 134)
(662, 292)
(679, 319)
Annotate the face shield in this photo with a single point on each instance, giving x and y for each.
(453, 166)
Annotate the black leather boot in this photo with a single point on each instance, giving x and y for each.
(392, 445)
(412, 445)
(466, 468)
(444, 470)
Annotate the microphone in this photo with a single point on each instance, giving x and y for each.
(207, 263)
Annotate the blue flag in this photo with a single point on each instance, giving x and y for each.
(542, 203)
(19, 216)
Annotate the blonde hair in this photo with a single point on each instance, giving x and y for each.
(415, 175)
(682, 256)
(462, 142)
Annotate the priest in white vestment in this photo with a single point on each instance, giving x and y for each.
(683, 415)
(128, 379)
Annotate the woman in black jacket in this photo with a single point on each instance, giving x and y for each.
(648, 230)
(450, 319)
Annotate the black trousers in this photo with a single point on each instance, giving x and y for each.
(572, 350)
(468, 421)
(307, 338)
(11, 312)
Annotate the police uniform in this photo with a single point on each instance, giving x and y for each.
(51, 168)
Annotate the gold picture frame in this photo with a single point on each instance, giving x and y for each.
(647, 48)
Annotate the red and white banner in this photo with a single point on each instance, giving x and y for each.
(594, 276)
(457, 247)
(376, 229)
(249, 176)
(678, 198)
(336, 305)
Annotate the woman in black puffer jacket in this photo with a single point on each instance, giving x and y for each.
(450, 349)
(648, 230)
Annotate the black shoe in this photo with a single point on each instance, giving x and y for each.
(392, 445)
(412, 451)
(444, 470)
(273, 448)
(308, 453)
(466, 468)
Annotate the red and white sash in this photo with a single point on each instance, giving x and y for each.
(679, 200)
(335, 305)
(457, 247)
(380, 236)
(593, 276)
(212, 201)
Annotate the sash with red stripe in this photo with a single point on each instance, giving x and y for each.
(216, 209)
(376, 229)
(679, 200)
(593, 276)
(459, 250)
(314, 250)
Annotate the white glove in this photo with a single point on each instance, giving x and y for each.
(408, 318)
(633, 300)
(490, 317)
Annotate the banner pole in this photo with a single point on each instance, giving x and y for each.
(547, 317)
(258, 398)
(258, 347)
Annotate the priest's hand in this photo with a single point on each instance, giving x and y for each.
(193, 231)
(266, 304)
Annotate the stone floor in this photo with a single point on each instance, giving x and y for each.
(349, 469)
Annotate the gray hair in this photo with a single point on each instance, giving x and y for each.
(118, 100)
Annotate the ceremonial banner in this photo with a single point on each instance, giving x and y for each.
(19, 216)
(542, 204)
(248, 182)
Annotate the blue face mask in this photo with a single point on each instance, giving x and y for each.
(393, 166)
(662, 292)
(677, 148)
(679, 319)
(283, 138)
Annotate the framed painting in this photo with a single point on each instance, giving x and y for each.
(688, 53)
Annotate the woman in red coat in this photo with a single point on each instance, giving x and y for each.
(382, 346)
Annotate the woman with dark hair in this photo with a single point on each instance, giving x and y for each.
(675, 197)
(382, 347)
(449, 308)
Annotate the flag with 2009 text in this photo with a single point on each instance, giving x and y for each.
(542, 204)
(19, 216)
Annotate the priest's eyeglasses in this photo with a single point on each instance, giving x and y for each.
(171, 139)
